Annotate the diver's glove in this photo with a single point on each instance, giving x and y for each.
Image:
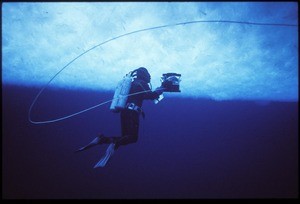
(159, 90)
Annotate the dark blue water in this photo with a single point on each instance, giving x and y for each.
(187, 149)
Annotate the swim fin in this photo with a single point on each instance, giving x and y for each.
(97, 140)
(109, 152)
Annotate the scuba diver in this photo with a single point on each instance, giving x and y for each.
(130, 109)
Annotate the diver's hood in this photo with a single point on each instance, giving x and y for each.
(142, 73)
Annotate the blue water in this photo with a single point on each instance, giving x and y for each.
(186, 149)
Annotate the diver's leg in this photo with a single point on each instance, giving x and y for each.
(129, 127)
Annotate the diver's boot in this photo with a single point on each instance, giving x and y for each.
(98, 140)
(109, 152)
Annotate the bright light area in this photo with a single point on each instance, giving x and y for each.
(221, 61)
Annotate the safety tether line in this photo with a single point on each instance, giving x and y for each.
(130, 33)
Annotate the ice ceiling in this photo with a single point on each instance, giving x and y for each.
(221, 61)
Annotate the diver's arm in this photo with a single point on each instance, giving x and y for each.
(151, 95)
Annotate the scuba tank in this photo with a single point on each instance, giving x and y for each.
(121, 93)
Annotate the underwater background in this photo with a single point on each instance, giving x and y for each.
(232, 131)
(187, 148)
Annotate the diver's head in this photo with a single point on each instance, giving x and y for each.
(143, 74)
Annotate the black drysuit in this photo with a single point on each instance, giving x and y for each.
(130, 118)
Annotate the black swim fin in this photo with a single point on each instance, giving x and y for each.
(96, 141)
(109, 152)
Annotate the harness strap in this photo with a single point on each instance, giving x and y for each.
(132, 106)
